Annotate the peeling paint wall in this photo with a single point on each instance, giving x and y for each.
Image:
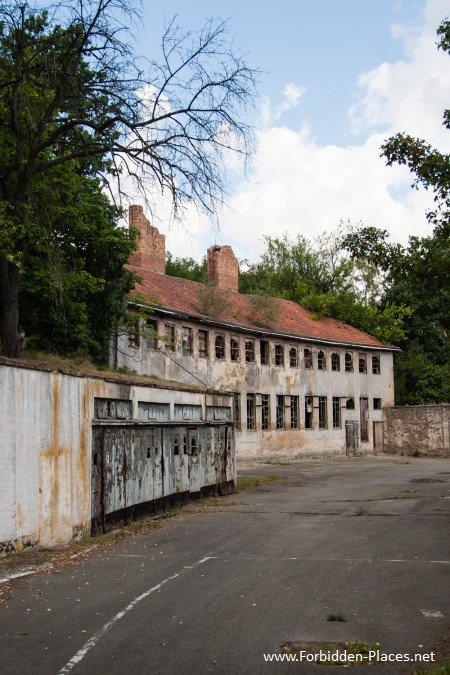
(256, 378)
(422, 430)
(46, 446)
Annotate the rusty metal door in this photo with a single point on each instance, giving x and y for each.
(167, 461)
(351, 437)
(194, 461)
(364, 418)
(378, 437)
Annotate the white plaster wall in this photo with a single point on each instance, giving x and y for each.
(270, 379)
(45, 448)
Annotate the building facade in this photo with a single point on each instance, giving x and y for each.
(301, 386)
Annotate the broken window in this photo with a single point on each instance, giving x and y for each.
(336, 412)
(169, 334)
(251, 411)
(280, 412)
(294, 412)
(350, 404)
(250, 351)
(152, 334)
(186, 340)
(323, 413)
(321, 361)
(203, 340)
(308, 412)
(279, 355)
(335, 361)
(377, 404)
(220, 346)
(234, 348)
(265, 411)
(308, 358)
(376, 365)
(362, 361)
(265, 352)
(237, 409)
(293, 357)
(348, 362)
(176, 445)
(133, 334)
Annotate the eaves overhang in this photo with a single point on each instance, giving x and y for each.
(216, 323)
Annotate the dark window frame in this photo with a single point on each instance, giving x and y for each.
(295, 412)
(219, 346)
(265, 412)
(308, 359)
(323, 412)
(321, 360)
(280, 416)
(251, 412)
(336, 362)
(249, 351)
(203, 343)
(337, 417)
(234, 348)
(293, 357)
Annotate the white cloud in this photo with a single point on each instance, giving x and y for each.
(300, 187)
(292, 95)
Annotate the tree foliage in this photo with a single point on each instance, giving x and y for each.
(74, 94)
(419, 275)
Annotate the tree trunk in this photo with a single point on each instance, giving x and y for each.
(12, 342)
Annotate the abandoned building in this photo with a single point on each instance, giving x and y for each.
(300, 385)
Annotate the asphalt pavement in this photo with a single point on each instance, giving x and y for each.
(219, 586)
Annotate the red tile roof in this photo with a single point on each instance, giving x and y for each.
(182, 295)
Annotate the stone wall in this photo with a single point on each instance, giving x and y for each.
(421, 430)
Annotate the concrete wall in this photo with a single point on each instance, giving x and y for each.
(257, 378)
(420, 429)
(46, 448)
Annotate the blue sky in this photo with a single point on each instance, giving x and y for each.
(338, 77)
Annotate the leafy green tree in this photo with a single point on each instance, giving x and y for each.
(72, 89)
(419, 275)
(186, 268)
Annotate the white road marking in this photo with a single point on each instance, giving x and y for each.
(81, 653)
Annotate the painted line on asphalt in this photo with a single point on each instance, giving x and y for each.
(81, 653)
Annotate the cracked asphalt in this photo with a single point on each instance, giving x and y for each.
(220, 585)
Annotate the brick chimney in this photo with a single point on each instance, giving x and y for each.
(223, 268)
(151, 252)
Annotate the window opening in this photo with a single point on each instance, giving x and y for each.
(294, 412)
(376, 365)
(321, 361)
(335, 362)
(280, 412)
(265, 411)
(308, 412)
(348, 363)
(308, 358)
(362, 361)
(234, 348)
(169, 334)
(293, 357)
(186, 340)
(251, 411)
(377, 404)
(350, 404)
(249, 351)
(265, 352)
(220, 347)
(336, 412)
(323, 417)
(279, 355)
(203, 337)
(152, 334)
